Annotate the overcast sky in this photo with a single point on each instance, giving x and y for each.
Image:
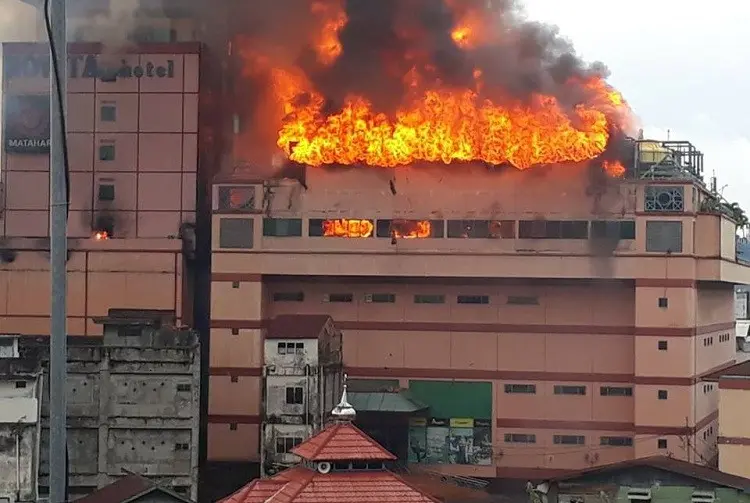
(683, 66)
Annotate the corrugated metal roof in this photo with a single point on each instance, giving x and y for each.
(126, 490)
(699, 472)
(297, 326)
(399, 402)
(342, 442)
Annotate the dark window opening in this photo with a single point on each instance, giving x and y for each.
(503, 229)
(569, 390)
(340, 297)
(282, 227)
(181, 446)
(237, 198)
(294, 395)
(663, 345)
(553, 229)
(663, 302)
(290, 348)
(616, 391)
(469, 229)
(473, 299)
(520, 438)
(107, 152)
(616, 441)
(20, 384)
(106, 192)
(661, 443)
(529, 389)
(236, 233)
(613, 229)
(429, 299)
(288, 296)
(284, 445)
(184, 387)
(662, 394)
(569, 439)
(108, 112)
(381, 298)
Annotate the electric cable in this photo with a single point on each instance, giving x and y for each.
(60, 101)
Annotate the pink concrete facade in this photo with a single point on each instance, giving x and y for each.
(133, 160)
(637, 326)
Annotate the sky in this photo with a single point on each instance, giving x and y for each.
(684, 67)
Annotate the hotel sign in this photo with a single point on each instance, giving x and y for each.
(26, 124)
(84, 66)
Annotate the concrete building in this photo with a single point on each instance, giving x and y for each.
(20, 426)
(132, 401)
(539, 344)
(734, 433)
(302, 380)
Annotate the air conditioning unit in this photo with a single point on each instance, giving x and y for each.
(703, 497)
(639, 495)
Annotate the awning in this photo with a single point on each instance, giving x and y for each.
(398, 402)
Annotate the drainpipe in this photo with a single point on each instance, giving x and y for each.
(18, 462)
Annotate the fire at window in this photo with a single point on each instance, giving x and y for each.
(411, 229)
(348, 228)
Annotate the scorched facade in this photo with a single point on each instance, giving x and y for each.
(547, 322)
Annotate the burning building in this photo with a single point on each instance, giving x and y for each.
(470, 204)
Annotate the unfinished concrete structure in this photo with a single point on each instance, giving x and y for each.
(133, 402)
(302, 380)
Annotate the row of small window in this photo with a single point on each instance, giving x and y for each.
(472, 229)
(709, 341)
(530, 389)
(390, 298)
(530, 438)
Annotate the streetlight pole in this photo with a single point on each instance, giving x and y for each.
(58, 233)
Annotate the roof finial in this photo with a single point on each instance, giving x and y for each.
(344, 410)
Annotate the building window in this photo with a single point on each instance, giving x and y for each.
(664, 199)
(503, 229)
(528, 389)
(338, 297)
(523, 300)
(108, 112)
(288, 296)
(616, 441)
(663, 302)
(20, 384)
(380, 298)
(663, 236)
(290, 348)
(661, 443)
(106, 192)
(429, 299)
(613, 229)
(663, 345)
(473, 299)
(569, 390)
(182, 446)
(662, 394)
(520, 438)
(471, 229)
(341, 228)
(107, 152)
(236, 233)
(294, 395)
(569, 439)
(553, 229)
(285, 444)
(239, 198)
(184, 387)
(616, 391)
(410, 229)
(282, 227)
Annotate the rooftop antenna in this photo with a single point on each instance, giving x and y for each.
(713, 182)
(669, 134)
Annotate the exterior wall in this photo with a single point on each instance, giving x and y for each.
(151, 147)
(19, 437)
(132, 408)
(734, 439)
(637, 313)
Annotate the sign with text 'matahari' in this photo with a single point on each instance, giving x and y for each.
(85, 66)
(26, 124)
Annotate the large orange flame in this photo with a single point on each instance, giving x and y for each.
(438, 123)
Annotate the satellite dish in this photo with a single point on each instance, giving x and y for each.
(324, 467)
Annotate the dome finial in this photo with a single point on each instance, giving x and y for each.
(344, 410)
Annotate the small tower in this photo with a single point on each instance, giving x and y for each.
(343, 412)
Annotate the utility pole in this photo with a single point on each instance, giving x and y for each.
(58, 233)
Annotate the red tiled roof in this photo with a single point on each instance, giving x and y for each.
(302, 485)
(342, 442)
(297, 326)
(125, 489)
